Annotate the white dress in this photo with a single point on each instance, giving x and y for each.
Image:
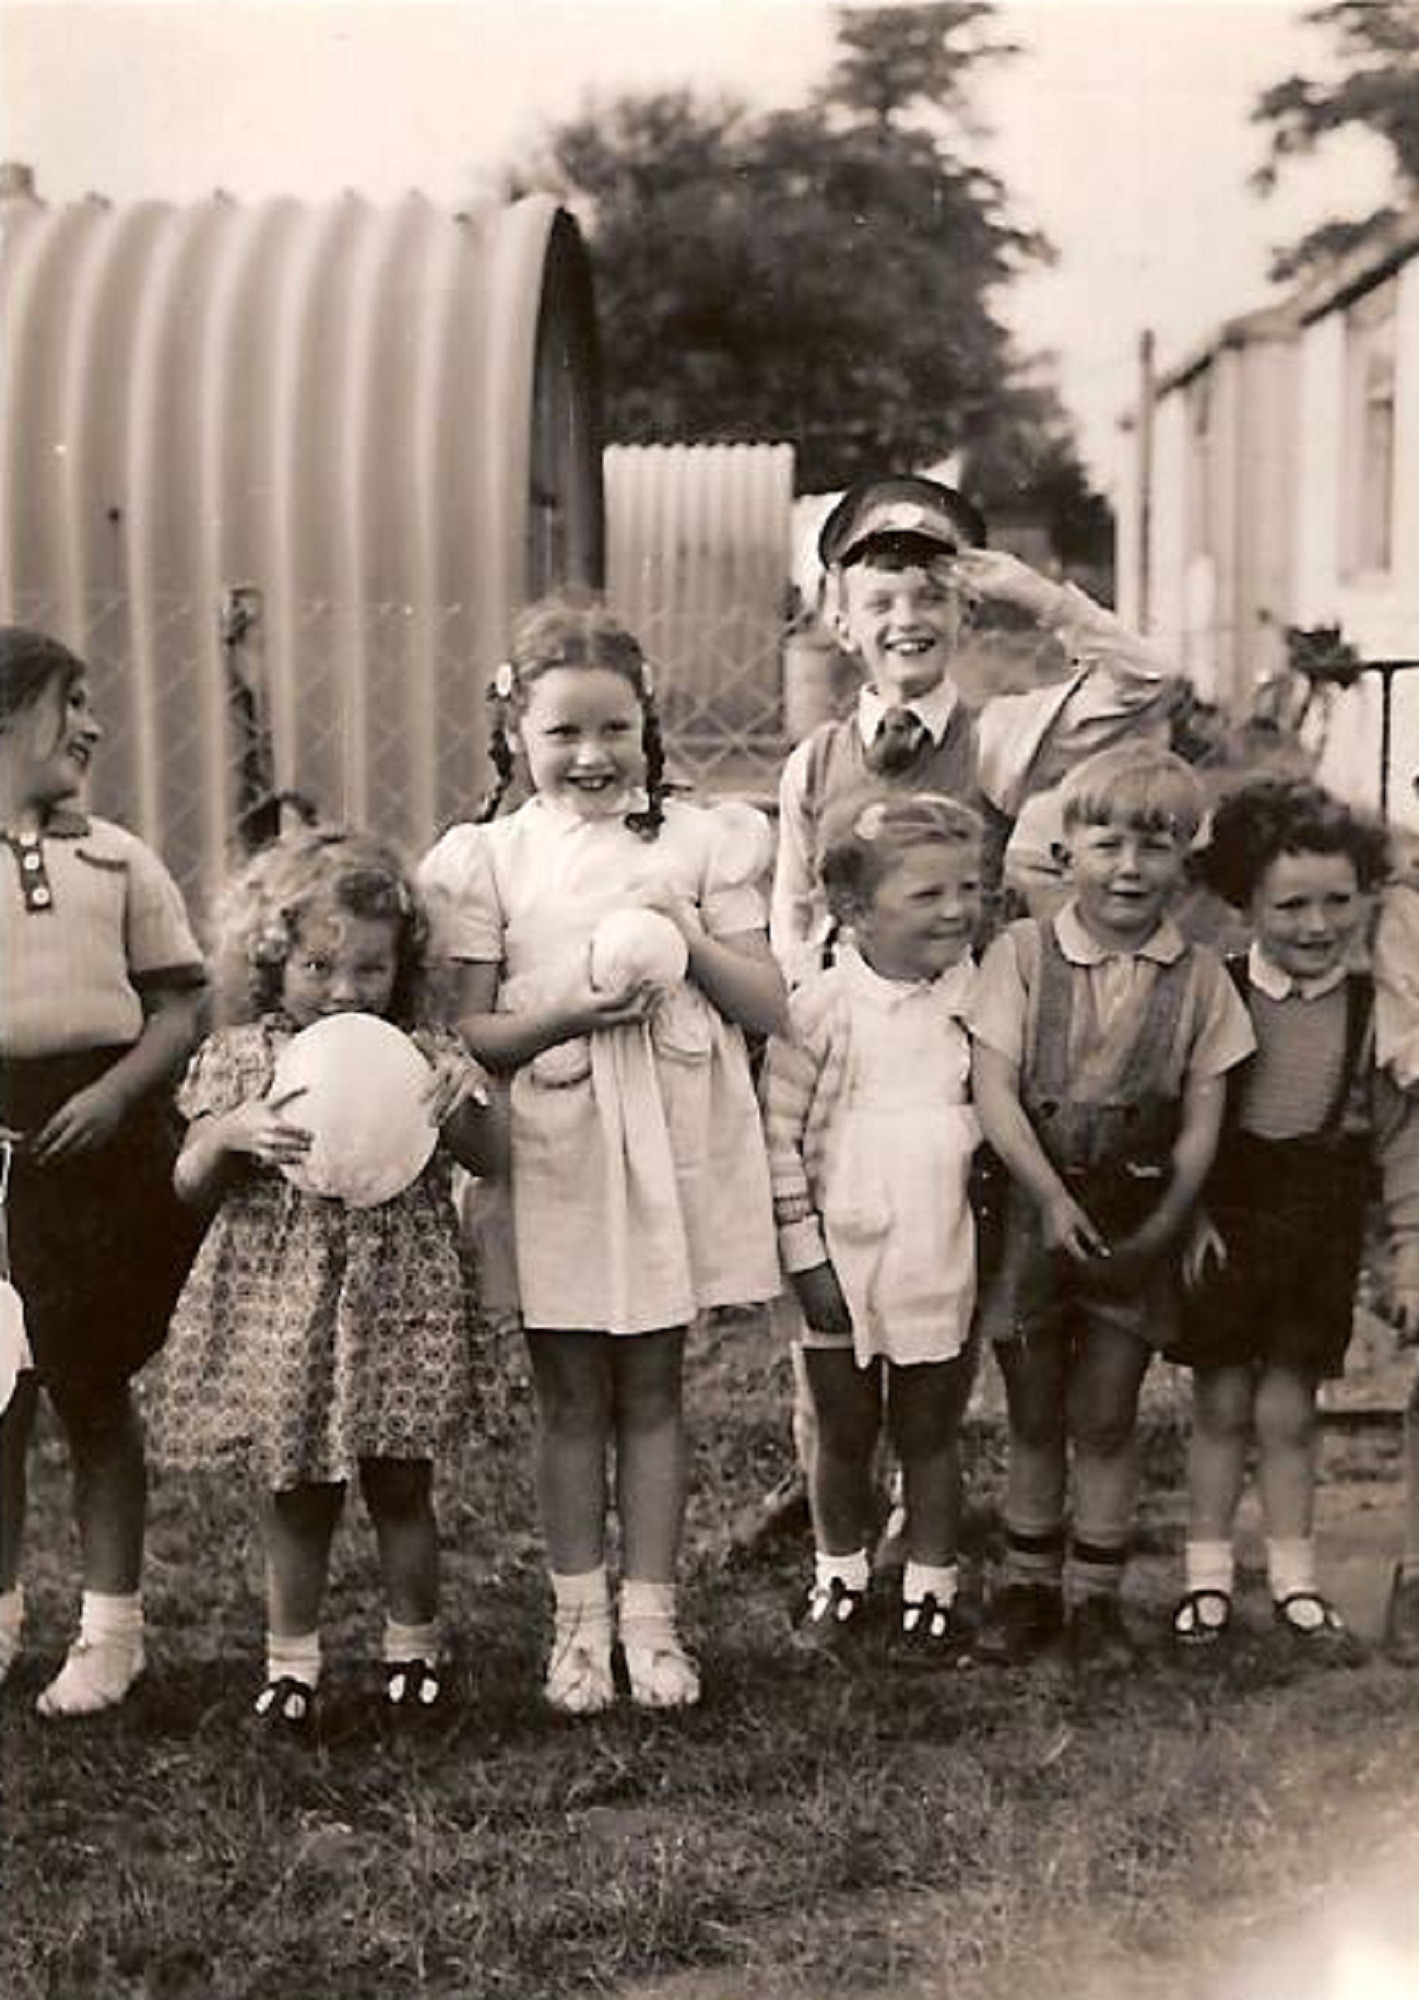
(640, 1186)
(896, 1163)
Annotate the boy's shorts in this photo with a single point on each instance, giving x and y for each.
(1038, 1293)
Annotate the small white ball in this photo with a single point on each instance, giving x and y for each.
(629, 947)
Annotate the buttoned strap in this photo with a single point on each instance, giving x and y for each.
(35, 886)
(1145, 1067)
(1359, 1056)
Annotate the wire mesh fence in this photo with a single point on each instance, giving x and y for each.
(215, 713)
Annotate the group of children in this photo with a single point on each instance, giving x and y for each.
(1100, 1144)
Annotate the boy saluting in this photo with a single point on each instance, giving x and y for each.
(905, 559)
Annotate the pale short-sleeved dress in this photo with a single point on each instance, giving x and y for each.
(311, 1335)
(639, 1185)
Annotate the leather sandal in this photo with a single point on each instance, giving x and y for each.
(412, 1684)
(286, 1704)
(1202, 1618)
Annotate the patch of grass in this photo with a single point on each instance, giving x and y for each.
(805, 1832)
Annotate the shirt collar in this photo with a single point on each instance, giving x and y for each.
(1163, 945)
(1268, 978)
(952, 990)
(63, 823)
(934, 709)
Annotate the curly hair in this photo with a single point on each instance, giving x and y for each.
(316, 870)
(574, 631)
(1274, 816)
(29, 661)
(865, 835)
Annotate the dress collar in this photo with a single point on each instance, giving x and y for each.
(1163, 946)
(568, 820)
(952, 990)
(933, 709)
(1268, 978)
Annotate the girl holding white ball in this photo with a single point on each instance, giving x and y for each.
(611, 949)
(324, 1332)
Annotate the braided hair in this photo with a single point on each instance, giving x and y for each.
(574, 631)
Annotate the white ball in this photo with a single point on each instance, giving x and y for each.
(364, 1104)
(629, 947)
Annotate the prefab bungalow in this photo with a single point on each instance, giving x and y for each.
(1284, 491)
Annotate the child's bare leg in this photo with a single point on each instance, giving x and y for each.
(651, 1456)
(1222, 1416)
(399, 1495)
(651, 1475)
(925, 1405)
(847, 1407)
(847, 1403)
(1286, 1431)
(1222, 1419)
(110, 1499)
(804, 1419)
(110, 1489)
(299, 1525)
(573, 1374)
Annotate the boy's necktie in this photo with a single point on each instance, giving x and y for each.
(900, 735)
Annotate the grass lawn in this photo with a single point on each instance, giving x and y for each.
(805, 1832)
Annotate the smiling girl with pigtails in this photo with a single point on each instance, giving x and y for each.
(610, 946)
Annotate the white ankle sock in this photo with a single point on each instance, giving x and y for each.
(583, 1603)
(1291, 1566)
(293, 1656)
(105, 1617)
(1210, 1566)
(660, 1670)
(941, 1581)
(104, 1660)
(854, 1572)
(411, 1642)
(579, 1680)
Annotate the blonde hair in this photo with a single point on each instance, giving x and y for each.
(1136, 784)
(258, 919)
(865, 836)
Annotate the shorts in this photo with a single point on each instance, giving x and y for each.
(1286, 1294)
(1039, 1293)
(99, 1244)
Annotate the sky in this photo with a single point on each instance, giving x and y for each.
(1122, 131)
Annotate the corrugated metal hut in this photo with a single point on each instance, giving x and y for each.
(283, 473)
(699, 562)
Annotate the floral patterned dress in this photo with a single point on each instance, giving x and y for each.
(311, 1335)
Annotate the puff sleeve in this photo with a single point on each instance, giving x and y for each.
(737, 865)
(231, 1066)
(460, 889)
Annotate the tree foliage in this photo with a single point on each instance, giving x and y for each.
(827, 274)
(1376, 90)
